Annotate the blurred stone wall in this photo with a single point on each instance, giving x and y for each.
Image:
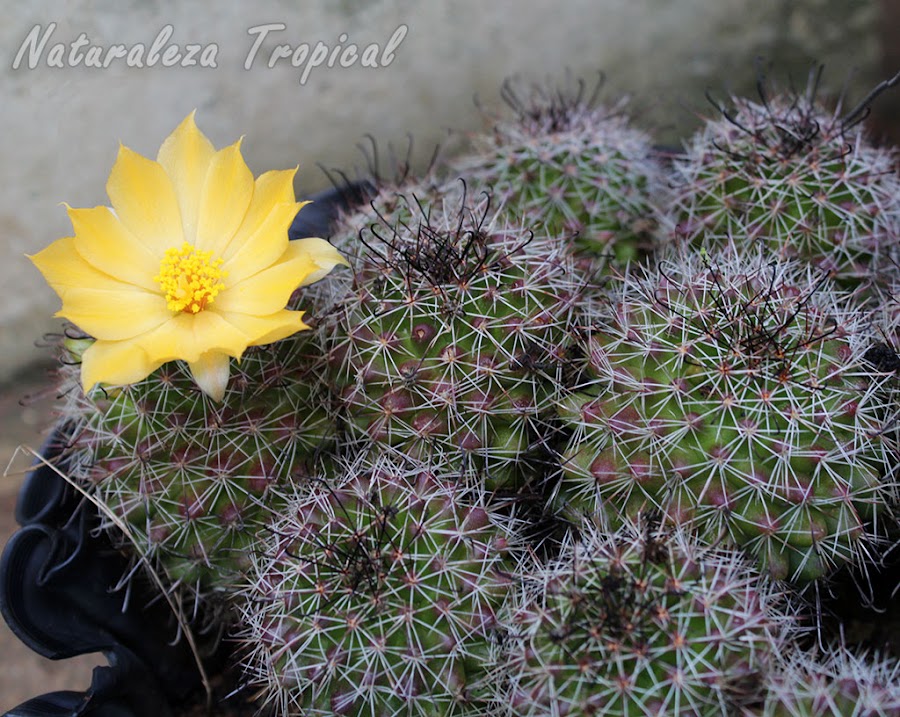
(61, 125)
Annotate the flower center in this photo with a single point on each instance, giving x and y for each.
(190, 278)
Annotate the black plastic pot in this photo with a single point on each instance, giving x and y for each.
(60, 578)
(59, 594)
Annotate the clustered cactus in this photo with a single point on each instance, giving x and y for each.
(786, 173)
(838, 683)
(453, 334)
(376, 592)
(573, 168)
(638, 621)
(577, 434)
(733, 394)
(193, 480)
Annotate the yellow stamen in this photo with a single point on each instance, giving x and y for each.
(190, 278)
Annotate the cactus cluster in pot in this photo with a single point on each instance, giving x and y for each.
(559, 427)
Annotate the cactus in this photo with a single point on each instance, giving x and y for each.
(191, 478)
(512, 470)
(794, 177)
(734, 394)
(640, 622)
(570, 166)
(375, 593)
(837, 683)
(453, 335)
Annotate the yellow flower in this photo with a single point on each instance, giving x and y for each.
(192, 262)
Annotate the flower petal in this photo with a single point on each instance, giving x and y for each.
(186, 155)
(269, 190)
(114, 315)
(226, 195)
(268, 291)
(64, 268)
(210, 373)
(264, 247)
(262, 330)
(144, 199)
(101, 239)
(325, 256)
(97, 303)
(115, 362)
(189, 336)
